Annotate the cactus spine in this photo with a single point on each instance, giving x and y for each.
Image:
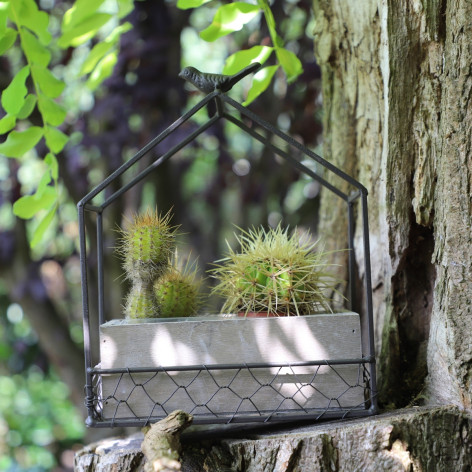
(140, 301)
(159, 287)
(145, 246)
(177, 293)
(274, 273)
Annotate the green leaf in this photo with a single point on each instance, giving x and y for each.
(3, 17)
(13, 97)
(269, 17)
(7, 40)
(125, 7)
(53, 113)
(103, 70)
(38, 233)
(186, 4)
(290, 63)
(84, 30)
(50, 85)
(35, 52)
(114, 36)
(27, 206)
(81, 10)
(20, 142)
(97, 53)
(229, 18)
(28, 107)
(241, 59)
(55, 139)
(27, 14)
(7, 123)
(260, 82)
(51, 161)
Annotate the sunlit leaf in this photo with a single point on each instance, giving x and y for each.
(270, 21)
(84, 30)
(50, 85)
(7, 40)
(28, 107)
(3, 17)
(29, 205)
(53, 113)
(186, 4)
(26, 12)
(39, 231)
(290, 63)
(43, 186)
(20, 142)
(102, 71)
(34, 50)
(97, 53)
(229, 18)
(7, 123)
(55, 139)
(51, 161)
(13, 97)
(260, 82)
(114, 36)
(241, 59)
(81, 10)
(125, 7)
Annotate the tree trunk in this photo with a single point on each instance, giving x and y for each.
(395, 442)
(396, 87)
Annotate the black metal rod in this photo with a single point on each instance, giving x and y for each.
(142, 152)
(368, 293)
(159, 161)
(351, 255)
(89, 393)
(285, 155)
(252, 116)
(101, 278)
(229, 419)
(261, 365)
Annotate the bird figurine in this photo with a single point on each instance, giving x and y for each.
(208, 83)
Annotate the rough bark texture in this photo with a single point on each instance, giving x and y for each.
(419, 439)
(397, 83)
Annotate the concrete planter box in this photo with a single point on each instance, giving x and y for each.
(224, 340)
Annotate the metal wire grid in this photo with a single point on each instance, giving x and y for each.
(117, 406)
(94, 398)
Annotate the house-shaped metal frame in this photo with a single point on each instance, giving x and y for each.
(251, 125)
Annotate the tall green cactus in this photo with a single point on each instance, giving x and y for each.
(146, 246)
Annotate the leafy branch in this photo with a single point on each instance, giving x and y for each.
(35, 87)
(233, 17)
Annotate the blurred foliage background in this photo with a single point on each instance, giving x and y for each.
(222, 179)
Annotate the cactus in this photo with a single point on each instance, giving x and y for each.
(146, 246)
(274, 273)
(140, 301)
(177, 292)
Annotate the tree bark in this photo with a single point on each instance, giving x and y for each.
(419, 439)
(396, 87)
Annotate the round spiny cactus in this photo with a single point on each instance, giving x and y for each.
(146, 246)
(274, 273)
(140, 301)
(178, 293)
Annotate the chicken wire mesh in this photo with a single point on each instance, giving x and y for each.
(244, 393)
